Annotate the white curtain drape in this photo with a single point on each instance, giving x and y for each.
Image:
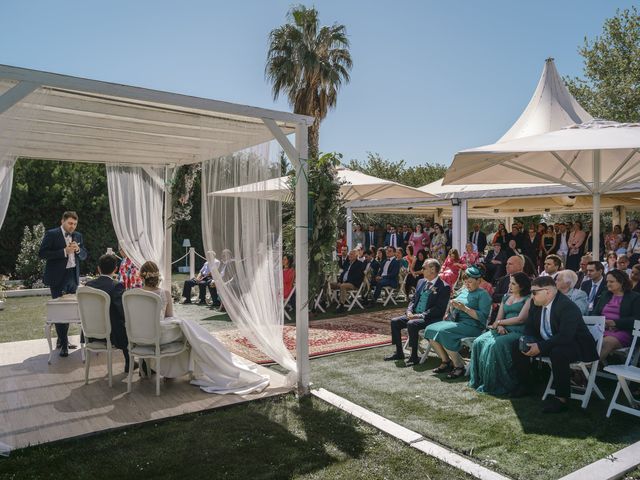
(243, 241)
(6, 182)
(136, 202)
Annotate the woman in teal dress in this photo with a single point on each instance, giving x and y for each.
(490, 369)
(468, 314)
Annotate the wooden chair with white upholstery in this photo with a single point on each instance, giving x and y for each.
(93, 305)
(142, 311)
(629, 372)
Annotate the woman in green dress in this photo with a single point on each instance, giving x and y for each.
(468, 314)
(490, 369)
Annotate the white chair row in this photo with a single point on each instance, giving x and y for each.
(142, 321)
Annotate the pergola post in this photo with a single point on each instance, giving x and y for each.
(455, 225)
(166, 268)
(349, 228)
(595, 231)
(463, 226)
(302, 261)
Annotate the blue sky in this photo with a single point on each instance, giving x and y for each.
(429, 77)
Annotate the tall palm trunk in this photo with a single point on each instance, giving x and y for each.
(313, 132)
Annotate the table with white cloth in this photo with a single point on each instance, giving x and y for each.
(62, 310)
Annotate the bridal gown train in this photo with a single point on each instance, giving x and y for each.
(215, 369)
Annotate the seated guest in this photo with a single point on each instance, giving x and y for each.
(202, 280)
(621, 308)
(107, 266)
(468, 316)
(409, 258)
(491, 367)
(612, 260)
(515, 264)
(552, 265)
(470, 257)
(635, 278)
(623, 264)
(428, 306)
(288, 279)
(343, 258)
(556, 324)
(415, 272)
(582, 272)
(483, 283)
(451, 268)
(594, 286)
(388, 275)
(128, 272)
(349, 279)
(565, 281)
(376, 264)
(512, 249)
(399, 254)
(494, 262)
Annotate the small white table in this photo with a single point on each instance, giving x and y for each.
(62, 310)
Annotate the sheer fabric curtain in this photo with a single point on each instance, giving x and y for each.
(243, 241)
(136, 201)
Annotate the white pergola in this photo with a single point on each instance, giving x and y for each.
(82, 120)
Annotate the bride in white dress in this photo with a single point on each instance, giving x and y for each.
(214, 368)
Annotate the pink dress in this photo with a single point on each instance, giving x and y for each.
(470, 258)
(450, 271)
(419, 241)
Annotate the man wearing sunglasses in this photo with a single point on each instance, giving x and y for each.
(556, 330)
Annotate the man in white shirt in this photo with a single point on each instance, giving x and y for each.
(633, 248)
(552, 265)
(562, 243)
(202, 280)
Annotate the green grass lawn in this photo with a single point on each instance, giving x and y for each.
(269, 439)
(511, 436)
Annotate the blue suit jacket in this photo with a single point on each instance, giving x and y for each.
(52, 250)
(438, 300)
(392, 272)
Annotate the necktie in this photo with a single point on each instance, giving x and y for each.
(545, 323)
(592, 294)
(393, 239)
(428, 286)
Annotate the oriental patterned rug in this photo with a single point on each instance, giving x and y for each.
(326, 337)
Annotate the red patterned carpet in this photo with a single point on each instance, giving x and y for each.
(353, 332)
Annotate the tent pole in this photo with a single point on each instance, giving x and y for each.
(302, 261)
(455, 224)
(463, 226)
(166, 268)
(349, 228)
(595, 234)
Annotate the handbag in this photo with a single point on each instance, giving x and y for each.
(524, 340)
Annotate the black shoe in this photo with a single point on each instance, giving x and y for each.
(71, 346)
(553, 405)
(64, 352)
(186, 302)
(395, 356)
(412, 361)
(201, 302)
(520, 392)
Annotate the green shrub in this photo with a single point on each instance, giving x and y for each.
(29, 266)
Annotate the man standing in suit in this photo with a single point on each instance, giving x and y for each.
(561, 248)
(404, 237)
(449, 233)
(370, 237)
(107, 266)
(557, 326)
(391, 239)
(428, 306)
(350, 278)
(595, 285)
(63, 248)
(478, 238)
(388, 275)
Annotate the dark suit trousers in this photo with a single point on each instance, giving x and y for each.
(68, 284)
(202, 286)
(413, 328)
(561, 357)
(384, 282)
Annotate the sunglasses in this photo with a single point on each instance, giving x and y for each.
(534, 292)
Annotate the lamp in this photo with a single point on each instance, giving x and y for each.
(496, 210)
(455, 202)
(186, 244)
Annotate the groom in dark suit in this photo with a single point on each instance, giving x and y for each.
(63, 249)
(557, 326)
(108, 266)
(428, 306)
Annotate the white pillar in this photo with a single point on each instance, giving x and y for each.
(455, 224)
(349, 228)
(302, 261)
(166, 269)
(463, 226)
(192, 262)
(595, 234)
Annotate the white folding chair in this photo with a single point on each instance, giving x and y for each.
(286, 302)
(595, 324)
(355, 296)
(142, 312)
(629, 372)
(93, 305)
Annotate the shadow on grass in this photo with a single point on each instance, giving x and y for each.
(278, 438)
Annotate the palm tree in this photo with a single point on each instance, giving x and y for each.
(308, 63)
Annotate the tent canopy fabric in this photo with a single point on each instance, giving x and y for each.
(354, 186)
(92, 121)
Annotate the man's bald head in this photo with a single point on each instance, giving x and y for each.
(515, 264)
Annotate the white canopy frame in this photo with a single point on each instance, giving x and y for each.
(93, 121)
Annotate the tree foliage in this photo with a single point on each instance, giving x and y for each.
(413, 176)
(610, 88)
(308, 63)
(29, 266)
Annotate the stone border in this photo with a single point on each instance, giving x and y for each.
(410, 437)
(611, 467)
